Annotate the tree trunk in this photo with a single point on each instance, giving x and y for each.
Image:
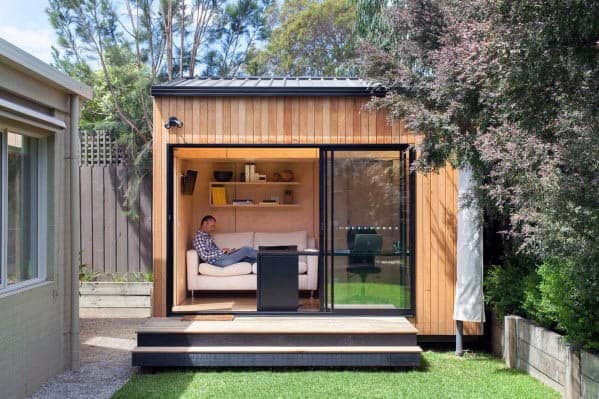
(182, 34)
(169, 39)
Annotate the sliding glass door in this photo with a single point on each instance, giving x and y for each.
(367, 219)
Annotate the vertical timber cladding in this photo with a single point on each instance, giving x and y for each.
(317, 120)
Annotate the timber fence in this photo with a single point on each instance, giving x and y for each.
(112, 241)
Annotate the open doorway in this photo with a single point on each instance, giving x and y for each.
(348, 212)
(259, 197)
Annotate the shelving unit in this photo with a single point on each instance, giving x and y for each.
(256, 206)
(254, 183)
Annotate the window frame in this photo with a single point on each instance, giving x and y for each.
(42, 213)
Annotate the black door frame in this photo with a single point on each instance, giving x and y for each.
(326, 162)
(411, 312)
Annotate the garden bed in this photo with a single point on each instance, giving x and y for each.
(546, 356)
(110, 298)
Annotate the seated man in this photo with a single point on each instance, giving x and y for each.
(209, 252)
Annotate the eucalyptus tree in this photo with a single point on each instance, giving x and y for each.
(312, 37)
(241, 27)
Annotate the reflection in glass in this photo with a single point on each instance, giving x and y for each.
(370, 230)
(22, 209)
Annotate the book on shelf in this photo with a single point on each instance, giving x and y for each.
(268, 202)
(219, 195)
(250, 172)
(237, 201)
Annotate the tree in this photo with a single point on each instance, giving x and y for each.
(122, 48)
(312, 37)
(239, 29)
(513, 89)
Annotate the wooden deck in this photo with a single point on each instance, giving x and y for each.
(234, 303)
(266, 341)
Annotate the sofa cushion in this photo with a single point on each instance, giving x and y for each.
(234, 240)
(299, 238)
(302, 267)
(236, 269)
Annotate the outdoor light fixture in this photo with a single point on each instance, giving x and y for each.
(173, 121)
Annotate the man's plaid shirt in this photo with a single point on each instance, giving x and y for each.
(207, 249)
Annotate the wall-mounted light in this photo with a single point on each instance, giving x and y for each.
(173, 121)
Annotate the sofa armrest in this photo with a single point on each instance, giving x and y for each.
(193, 264)
(312, 273)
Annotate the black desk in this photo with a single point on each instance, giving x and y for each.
(277, 279)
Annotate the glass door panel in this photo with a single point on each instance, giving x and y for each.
(368, 231)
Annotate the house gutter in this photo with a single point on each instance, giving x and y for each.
(74, 230)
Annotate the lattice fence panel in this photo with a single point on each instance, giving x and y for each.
(100, 148)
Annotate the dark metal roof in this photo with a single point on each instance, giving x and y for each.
(268, 86)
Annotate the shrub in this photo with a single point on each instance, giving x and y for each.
(569, 301)
(562, 295)
(505, 285)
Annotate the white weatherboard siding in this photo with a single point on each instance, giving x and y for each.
(469, 302)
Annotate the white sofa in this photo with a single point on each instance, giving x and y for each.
(243, 275)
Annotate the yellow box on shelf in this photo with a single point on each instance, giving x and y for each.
(219, 195)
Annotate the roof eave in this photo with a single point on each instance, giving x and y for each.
(185, 91)
(42, 71)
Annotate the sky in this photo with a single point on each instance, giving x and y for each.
(25, 24)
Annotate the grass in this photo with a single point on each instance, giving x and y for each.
(372, 293)
(442, 375)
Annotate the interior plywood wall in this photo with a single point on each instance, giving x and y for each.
(183, 210)
(261, 219)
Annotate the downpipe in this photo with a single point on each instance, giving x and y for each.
(74, 231)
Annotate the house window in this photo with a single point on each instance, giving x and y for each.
(23, 212)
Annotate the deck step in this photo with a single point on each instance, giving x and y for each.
(272, 341)
(148, 339)
(277, 349)
(283, 325)
(275, 356)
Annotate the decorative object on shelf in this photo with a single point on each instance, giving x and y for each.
(288, 197)
(276, 176)
(287, 175)
(219, 195)
(268, 202)
(223, 175)
(239, 201)
(251, 175)
(188, 182)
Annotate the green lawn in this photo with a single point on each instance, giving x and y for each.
(372, 293)
(442, 376)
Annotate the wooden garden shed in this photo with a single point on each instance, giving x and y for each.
(306, 163)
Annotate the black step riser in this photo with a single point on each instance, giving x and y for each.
(183, 339)
(276, 359)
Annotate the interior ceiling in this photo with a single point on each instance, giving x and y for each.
(247, 154)
(273, 154)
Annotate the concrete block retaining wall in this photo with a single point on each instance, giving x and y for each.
(546, 356)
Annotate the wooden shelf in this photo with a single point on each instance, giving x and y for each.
(255, 183)
(256, 206)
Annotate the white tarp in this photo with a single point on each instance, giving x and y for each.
(469, 303)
